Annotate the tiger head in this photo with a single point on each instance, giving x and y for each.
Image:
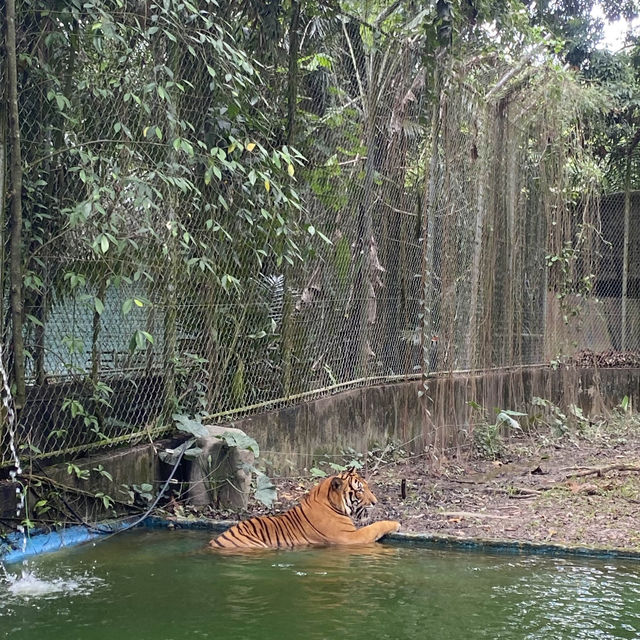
(349, 494)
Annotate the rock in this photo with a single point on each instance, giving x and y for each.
(217, 476)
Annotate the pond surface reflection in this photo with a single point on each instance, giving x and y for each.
(166, 585)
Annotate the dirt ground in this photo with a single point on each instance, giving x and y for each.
(581, 488)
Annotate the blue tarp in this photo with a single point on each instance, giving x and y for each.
(14, 549)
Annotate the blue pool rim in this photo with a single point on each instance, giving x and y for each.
(38, 543)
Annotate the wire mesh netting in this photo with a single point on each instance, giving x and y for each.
(194, 243)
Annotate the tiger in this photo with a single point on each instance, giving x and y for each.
(323, 517)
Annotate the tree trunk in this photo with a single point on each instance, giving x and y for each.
(482, 177)
(15, 246)
(625, 251)
(428, 343)
(95, 334)
(3, 191)
(4, 143)
(286, 347)
(54, 185)
(170, 314)
(365, 237)
(512, 291)
(170, 289)
(428, 218)
(292, 93)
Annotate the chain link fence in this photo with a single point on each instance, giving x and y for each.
(192, 244)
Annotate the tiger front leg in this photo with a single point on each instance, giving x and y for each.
(373, 532)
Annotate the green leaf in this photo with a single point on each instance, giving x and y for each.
(104, 244)
(265, 490)
(99, 306)
(624, 404)
(190, 425)
(127, 305)
(503, 417)
(103, 472)
(241, 441)
(34, 320)
(324, 237)
(139, 340)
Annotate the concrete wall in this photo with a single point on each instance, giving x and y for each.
(290, 438)
(135, 465)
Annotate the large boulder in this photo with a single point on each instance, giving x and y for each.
(219, 474)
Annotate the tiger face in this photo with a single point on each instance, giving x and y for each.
(349, 493)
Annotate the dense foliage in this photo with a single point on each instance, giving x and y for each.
(201, 181)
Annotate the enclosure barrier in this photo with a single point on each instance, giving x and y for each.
(207, 229)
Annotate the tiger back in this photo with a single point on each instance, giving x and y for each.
(323, 517)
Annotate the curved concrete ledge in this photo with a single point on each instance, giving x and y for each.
(440, 541)
(55, 540)
(435, 541)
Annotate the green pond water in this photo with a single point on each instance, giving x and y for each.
(163, 586)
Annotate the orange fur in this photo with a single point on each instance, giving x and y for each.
(323, 517)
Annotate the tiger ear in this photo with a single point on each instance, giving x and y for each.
(336, 483)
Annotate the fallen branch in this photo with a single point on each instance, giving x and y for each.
(380, 460)
(470, 514)
(516, 492)
(600, 471)
(74, 490)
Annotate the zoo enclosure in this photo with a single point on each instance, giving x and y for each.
(192, 243)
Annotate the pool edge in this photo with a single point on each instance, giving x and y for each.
(434, 540)
(47, 542)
